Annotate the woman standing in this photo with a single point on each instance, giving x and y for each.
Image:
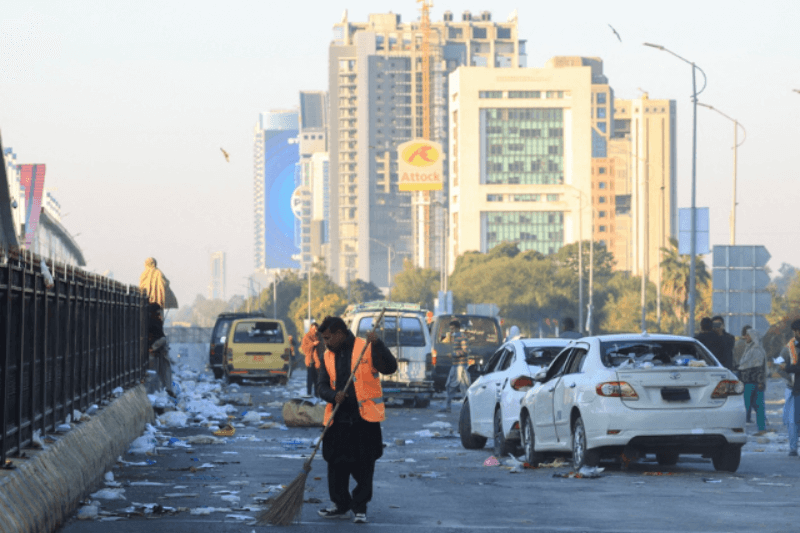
(754, 375)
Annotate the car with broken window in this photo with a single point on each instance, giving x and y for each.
(491, 408)
(219, 334)
(258, 348)
(610, 395)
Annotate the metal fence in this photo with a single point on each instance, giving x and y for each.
(62, 348)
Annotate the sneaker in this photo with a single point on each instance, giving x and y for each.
(334, 512)
(793, 453)
(360, 518)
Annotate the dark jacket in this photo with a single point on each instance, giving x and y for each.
(794, 369)
(713, 343)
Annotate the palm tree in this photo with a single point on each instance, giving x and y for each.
(675, 279)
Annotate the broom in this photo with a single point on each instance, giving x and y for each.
(287, 506)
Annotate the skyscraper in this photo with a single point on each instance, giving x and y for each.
(375, 87)
(275, 158)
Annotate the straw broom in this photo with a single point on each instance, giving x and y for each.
(287, 506)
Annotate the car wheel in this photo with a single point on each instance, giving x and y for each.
(581, 455)
(501, 445)
(529, 443)
(727, 458)
(468, 440)
(667, 458)
(218, 373)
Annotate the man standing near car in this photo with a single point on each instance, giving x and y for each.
(727, 342)
(457, 379)
(569, 332)
(354, 441)
(791, 372)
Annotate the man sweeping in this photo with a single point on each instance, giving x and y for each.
(354, 441)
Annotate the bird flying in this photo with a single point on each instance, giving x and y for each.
(615, 32)
(227, 157)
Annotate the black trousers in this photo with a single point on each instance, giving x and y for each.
(339, 484)
(311, 381)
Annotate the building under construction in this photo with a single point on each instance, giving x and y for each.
(380, 98)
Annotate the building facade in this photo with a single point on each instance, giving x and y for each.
(217, 288)
(375, 87)
(520, 158)
(276, 153)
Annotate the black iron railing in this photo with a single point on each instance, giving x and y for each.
(62, 348)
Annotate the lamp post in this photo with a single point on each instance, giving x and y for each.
(389, 250)
(580, 260)
(693, 240)
(736, 145)
(275, 279)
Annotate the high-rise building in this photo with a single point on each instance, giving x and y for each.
(216, 288)
(375, 87)
(312, 178)
(520, 158)
(644, 148)
(275, 158)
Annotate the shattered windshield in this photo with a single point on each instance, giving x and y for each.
(650, 353)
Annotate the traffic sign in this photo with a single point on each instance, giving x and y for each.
(739, 282)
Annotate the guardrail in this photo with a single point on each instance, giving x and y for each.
(62, 347)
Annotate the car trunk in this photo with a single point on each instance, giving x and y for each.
(411, 359)
(258, 357)
(673, 387)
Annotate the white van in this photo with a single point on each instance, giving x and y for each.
(406, 334)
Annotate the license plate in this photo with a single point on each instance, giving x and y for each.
(258, 358)
(675, 394)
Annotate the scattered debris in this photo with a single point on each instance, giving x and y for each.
(491, 461)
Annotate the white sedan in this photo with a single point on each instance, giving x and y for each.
(491, 408)
(635, 394)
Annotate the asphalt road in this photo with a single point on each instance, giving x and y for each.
(430, 483)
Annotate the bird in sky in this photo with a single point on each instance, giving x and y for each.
(615, 32)
(227, 157)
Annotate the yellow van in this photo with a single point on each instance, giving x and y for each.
(258, 348)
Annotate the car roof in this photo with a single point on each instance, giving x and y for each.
(260, 319)
(240, 315)
(628, 337)
(535, 341)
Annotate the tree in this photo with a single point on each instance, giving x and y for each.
(361, 291)
(416, 285)
(786, 275)
(675, 280)
(327, 299)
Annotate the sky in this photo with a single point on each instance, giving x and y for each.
(129, 103)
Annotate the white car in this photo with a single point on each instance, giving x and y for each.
(491, 408)
(635, 394)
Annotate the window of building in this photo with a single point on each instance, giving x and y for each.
(601, 112)
(601, 199)
(455, 33)
(479, 33)
(601, 170)
(524, 94)
(601, 126)
(494, 197)
(553, 197)
(602, 185)
(601, 98)
(554, 94)
(601, 229)
(490, 94)
(526, 197)
(542, 231)
(602, 214)
(503, 33)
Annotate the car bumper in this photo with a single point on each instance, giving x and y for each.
(403, 391)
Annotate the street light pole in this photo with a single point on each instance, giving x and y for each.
(389, 250)
(736, 145)
(693, 240)
(275, 295)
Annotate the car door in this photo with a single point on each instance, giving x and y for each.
(543, 415)
(509, 399)
(565, 395)
(483, 396)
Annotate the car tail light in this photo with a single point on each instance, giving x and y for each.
(728, 388)
(213, 348)
(433, 357)
(522, 383)
(287, 354)
(617, 389)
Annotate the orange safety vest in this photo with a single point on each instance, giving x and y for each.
(367, 384)
(309, 348)
(792, 351)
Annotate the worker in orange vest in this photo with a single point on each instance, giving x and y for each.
(354, 441)
(312, 348)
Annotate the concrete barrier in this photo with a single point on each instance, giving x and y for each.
(45, 488)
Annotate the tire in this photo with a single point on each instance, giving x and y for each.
(218, 373)
(529, 443)
(501, 446)
(727, 459)
(468, 439)
(581, 456)
(667, 458)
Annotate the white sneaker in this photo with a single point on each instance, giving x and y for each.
(359, 518)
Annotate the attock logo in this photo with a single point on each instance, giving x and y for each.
(420, 155)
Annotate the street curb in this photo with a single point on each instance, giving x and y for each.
(46, 488)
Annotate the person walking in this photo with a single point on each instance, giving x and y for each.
(457, 379)
(790, 372)
(354, 441)
(568, 326)
(726, 342)
(313, 350)
(158, 348)
(754, 376)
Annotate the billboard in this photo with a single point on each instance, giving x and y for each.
(420, 165)
(32, 178)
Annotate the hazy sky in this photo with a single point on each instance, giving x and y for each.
(128, 104)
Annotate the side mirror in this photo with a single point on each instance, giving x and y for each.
(540, 377)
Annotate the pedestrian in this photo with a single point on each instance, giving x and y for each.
(354, 441)
(457, 379)
(313, 351)
(708, 338)
(754, 376)
(789, 371)
(568, 329)
(727, 342)
(158, 349)
(738, 352)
